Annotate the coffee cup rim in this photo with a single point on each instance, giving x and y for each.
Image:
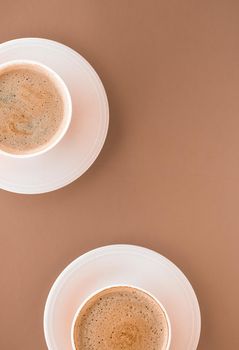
(67, 116)
(121, 285)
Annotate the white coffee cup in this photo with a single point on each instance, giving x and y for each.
(120, 285)
(67, 103)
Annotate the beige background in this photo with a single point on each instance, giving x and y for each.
(168, 175)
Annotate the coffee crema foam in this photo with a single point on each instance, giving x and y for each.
(121, 318)
(31, 109)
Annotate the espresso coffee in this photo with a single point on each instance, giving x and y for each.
(121, 318)
(31, 109)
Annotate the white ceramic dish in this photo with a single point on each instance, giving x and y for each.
(87, 132)
(126, 265)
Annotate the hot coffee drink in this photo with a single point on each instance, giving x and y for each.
(121, 318)
(31, 109)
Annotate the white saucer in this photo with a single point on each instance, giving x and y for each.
(122, 264)
(85, 138)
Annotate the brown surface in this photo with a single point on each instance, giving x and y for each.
(168, 175)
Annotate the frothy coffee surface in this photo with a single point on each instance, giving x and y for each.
(121, 318)
(31, 109)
